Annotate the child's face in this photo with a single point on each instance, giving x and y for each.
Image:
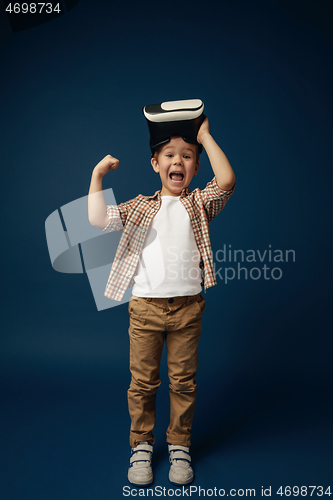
(176, 163)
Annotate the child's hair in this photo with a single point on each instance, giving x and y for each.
(157, 151)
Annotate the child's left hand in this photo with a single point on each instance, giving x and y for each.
(204, 129)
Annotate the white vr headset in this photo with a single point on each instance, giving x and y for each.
(174, 118)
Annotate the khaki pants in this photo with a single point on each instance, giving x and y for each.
(176, 320)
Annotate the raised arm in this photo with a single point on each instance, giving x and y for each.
(225, 176)
(96, 204)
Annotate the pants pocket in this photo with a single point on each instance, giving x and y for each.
(201, 303)
(138, 310)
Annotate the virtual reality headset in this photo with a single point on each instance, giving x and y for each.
(174, 118)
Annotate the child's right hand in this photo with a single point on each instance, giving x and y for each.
(104, 166)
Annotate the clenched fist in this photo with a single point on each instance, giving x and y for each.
(104, 166)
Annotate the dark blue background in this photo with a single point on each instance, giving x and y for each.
(72, 91)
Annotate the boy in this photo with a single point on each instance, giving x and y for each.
(171, 310)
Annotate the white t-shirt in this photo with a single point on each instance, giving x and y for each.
(169, 263)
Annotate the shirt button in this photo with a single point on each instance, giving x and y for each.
(170, 300)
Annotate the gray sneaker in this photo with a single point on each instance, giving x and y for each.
(181, 472)
(140, 472)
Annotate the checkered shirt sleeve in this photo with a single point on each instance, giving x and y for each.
(214, 198)
(117, 216)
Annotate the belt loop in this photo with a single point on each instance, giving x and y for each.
(192, 298)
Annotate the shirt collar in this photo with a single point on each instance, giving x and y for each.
(185, 192)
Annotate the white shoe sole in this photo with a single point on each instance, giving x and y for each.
(137, 481)
(175, 479)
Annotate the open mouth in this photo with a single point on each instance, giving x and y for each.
(176, 176)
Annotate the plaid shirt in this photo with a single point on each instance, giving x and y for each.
(134, 217)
